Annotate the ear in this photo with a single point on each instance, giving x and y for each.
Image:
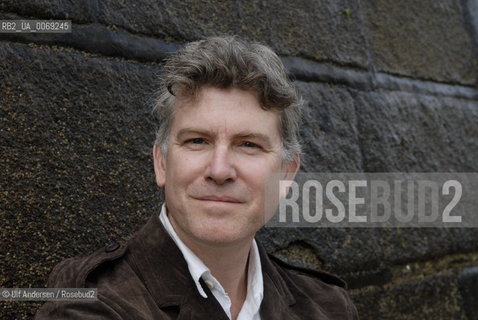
(289, 170)
(159, 166)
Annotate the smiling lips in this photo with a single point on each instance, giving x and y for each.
(218, 199)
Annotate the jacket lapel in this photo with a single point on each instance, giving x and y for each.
(277, 296)
(162, 268)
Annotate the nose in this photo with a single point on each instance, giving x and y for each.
(221, 168)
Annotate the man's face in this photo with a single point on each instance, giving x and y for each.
(221, 148)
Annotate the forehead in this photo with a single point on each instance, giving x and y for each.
(226, 111)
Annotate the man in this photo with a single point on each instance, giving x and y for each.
(228, 119)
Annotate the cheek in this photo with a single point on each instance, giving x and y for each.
(183, 169)
(257, 172)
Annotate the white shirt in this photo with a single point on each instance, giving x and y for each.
(198, 270)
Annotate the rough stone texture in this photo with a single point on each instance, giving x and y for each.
(384, 131)
(329, 132)
(421, 39)
(324, 30)
(429, 299)
(470, 8)
(76, 170)
(468, 283)
(367, 256)
(368, 80)
(75, 132)
(393, 274)
(415, 133)
(400, 37)
(96, 38)
(381, 132)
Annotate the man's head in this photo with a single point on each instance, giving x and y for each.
(229, 62)
(228, 119)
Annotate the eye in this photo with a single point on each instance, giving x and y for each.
(249, 144)
(196, 141)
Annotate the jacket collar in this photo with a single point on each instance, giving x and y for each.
(277, 295)
(161, 266)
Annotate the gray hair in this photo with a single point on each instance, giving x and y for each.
(226, 62)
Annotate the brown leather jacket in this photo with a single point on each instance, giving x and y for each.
(147, 278)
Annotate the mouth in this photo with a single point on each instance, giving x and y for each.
(219, 199)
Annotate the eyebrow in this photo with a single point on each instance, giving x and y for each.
(240, 135)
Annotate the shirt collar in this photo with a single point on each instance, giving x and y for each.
(255, 285)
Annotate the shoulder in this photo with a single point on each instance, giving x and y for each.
(321, 276)
(316, 290)
(73, 272)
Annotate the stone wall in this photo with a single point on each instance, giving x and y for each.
(391, 86)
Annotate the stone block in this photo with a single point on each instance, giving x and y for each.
(322, 30)
(417, 133)
(329, 131)
(420, 39)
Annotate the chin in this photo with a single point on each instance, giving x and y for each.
(219, 235)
